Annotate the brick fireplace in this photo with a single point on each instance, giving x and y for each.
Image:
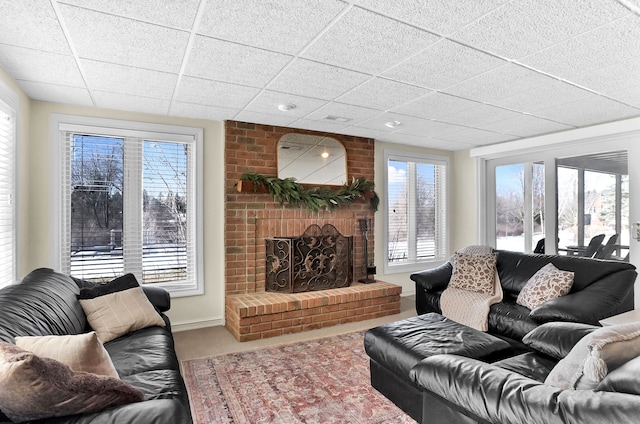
(250, 218)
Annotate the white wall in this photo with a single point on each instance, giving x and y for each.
(186, 312)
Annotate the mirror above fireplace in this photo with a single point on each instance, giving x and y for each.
(312, 159)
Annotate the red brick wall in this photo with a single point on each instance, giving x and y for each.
(251, 217)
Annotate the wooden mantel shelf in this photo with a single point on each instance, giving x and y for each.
(245, 186)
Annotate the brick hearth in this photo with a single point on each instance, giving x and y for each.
(255, 316)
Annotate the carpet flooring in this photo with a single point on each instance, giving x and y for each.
(314, 382)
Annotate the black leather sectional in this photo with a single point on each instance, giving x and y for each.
(439, 371)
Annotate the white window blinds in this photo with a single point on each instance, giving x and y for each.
(130, 203)
(7, 194)
(417, 210)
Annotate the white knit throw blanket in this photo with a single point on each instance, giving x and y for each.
(468, 307)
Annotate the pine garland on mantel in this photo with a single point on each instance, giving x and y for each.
(315, 198)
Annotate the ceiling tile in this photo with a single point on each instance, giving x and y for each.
(478, 115)
(47, 92)
(435, 105)
(326, 126)
(171, 13)
(214, 93)
(121, 101)
(523, 27)
(588, 111)
(124, 41)
(409, 125)
(629, 95)
(32, 65)
(543, 96)
(443, 64)
(32, 24)
(441, 16)
(524, 126)
(229, 62)
(190, 110)
(603, 46)
(382, 94)
(268, 101)
(280, 25)
(264, 118)
(312, 79)
(616, 80)
(355, 114)
(368, 42)
(476, 136)
(508, 80)
(433, 143)
(128, 80)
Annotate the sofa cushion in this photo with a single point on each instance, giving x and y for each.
(90, 290)
(603, 350)
(32, 387)
(400, 345)
(82, 352)
(530, 364)
(556, 339)
(546, 284)
(624, 379)
(113, 315)
(43, 303)
(474, 272)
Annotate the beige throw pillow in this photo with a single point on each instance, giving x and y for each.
(116, 314)
(474, 272)
(32, 387)
(596, 354)
(82, 352)
(546, 284)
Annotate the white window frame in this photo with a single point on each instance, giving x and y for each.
(545, 149)
(60, 124)
(12, 101)
(442, 205)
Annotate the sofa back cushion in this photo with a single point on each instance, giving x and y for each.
(516, 268)
(43, 303)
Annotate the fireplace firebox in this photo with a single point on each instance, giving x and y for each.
(320, 259)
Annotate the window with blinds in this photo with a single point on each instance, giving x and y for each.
(130, 204)
(417, 225)
(7, 192)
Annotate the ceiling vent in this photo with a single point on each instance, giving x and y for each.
(334, 118)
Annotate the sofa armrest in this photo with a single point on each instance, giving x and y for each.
(491, 394)
(434, 278)
(604, 298)
(159, 297)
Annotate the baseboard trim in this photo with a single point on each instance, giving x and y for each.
(195, 325)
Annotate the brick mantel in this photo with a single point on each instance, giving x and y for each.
(250, 218)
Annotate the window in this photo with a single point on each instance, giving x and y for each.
(416, 218)
(8, 119)
(130, 203)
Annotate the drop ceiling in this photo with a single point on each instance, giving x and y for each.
(453, 74)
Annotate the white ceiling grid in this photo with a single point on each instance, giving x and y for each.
(455, 74)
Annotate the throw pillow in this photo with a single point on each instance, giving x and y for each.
(547, 283)
(589, 361)
(32, 387)
(82, 352)
(90, 290)
(474, 272)
(116, 314)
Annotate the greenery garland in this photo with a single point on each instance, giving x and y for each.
(315, 198)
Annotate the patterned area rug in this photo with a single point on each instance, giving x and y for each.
(320, 381)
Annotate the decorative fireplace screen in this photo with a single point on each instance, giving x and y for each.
(319, 259)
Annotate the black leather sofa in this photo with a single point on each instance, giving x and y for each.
(601, 289)
(45, 303)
